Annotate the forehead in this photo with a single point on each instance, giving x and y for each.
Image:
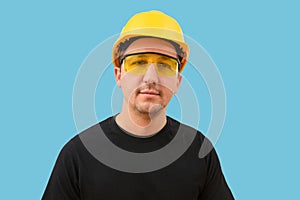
(155, 45)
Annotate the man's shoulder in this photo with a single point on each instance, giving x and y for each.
(75, 143)
(200, 140)
(72, 144)
(185, 128)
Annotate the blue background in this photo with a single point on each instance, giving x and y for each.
(255, 45)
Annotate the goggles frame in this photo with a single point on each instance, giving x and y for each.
(150, 52)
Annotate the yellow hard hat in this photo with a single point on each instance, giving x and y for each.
(151, 24)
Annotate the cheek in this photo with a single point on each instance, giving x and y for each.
(129, 83)
(170, 83)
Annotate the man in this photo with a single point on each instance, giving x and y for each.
(149, 57)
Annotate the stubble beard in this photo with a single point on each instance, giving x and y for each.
(150, 110)
(145, 106)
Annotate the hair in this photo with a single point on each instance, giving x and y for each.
(124, 45)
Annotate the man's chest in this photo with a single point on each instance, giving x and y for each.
(181, 180)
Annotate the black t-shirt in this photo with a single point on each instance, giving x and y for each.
(77, 174)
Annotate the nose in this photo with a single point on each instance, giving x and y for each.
(151, 75)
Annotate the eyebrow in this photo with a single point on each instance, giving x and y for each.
(160, 56)
(164, 57)
(141, 56)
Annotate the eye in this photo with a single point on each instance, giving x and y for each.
(164, 66)
(139, 62)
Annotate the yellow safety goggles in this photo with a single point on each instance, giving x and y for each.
(138, 63)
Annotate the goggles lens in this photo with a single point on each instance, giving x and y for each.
(139, 63)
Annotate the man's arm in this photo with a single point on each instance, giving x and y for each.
(216, 187)
(63, 182)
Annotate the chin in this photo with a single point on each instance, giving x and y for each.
(149, 108)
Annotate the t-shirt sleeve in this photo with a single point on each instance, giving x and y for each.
(63, 182)
(215, 187)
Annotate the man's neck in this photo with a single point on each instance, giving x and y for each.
(141, 124)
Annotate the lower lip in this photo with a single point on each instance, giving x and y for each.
(149, 95)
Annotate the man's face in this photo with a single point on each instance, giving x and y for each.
(149, 92)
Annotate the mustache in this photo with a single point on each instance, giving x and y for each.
(150, 87)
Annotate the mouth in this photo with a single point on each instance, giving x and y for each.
(149, 93)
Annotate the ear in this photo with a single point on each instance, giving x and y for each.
(179, 78)
(117, 72)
